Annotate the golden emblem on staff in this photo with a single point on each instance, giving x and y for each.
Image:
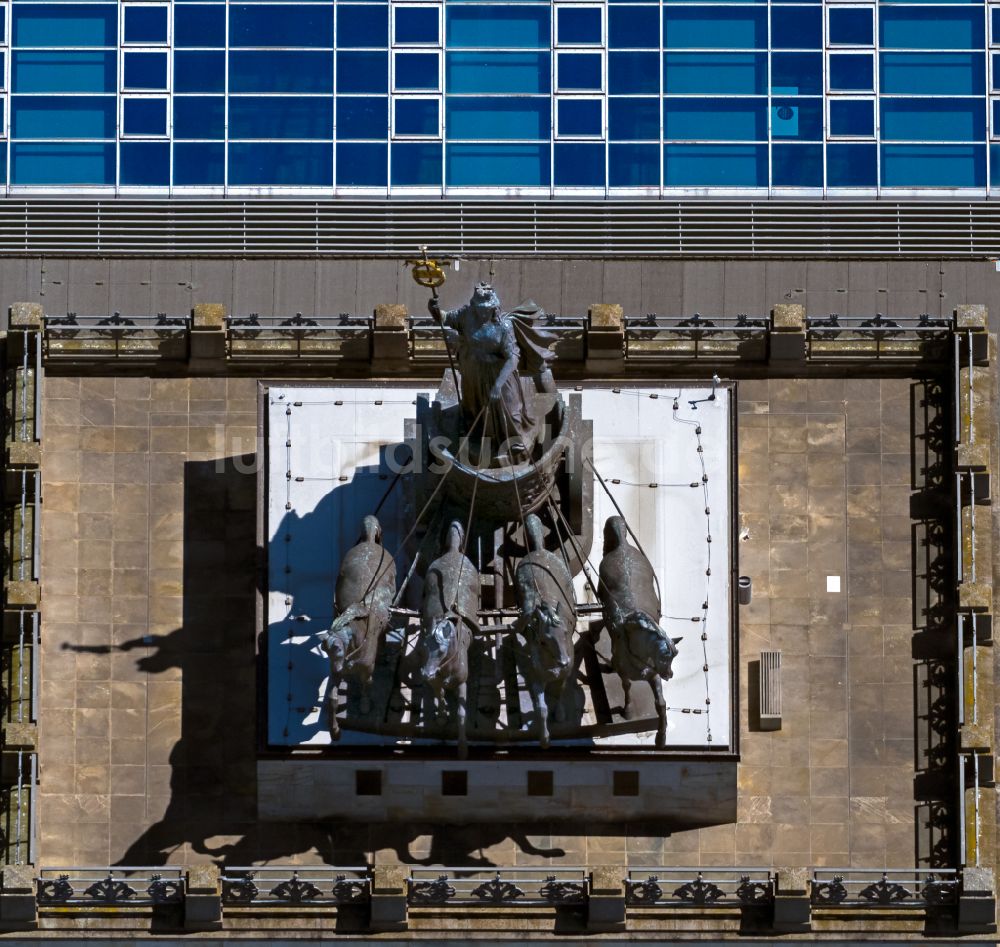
(430, 273)
(427, 272)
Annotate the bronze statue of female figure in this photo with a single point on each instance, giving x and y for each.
(488, 356)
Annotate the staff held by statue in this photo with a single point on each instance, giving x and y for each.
(430, 273)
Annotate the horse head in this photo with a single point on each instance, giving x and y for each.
(545, 629)
(436, 646)
(651, 644)
(336, 643)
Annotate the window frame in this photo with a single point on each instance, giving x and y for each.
(831, 45)
(168, 119)
(413, 136)
(601, 135)
(873, 100)
(166, 43)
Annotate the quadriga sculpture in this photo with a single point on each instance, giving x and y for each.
(544, 590)
(640, 649)
(365, 589)
(448, 616)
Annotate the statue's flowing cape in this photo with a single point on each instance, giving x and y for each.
(534, 342)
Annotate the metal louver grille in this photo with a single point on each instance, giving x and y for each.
(558, 229)
(770, 690)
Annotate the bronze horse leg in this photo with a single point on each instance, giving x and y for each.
(661, 711)
(541, 712)
(333, 703)
(463, 747)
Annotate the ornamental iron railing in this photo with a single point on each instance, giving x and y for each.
(123, 338)
(724, 338)
(484, 887)
(19, 811)
(340, 336)
(284, 886)
(699, 887)
(98, 887)
(890, 888)
(849, 338)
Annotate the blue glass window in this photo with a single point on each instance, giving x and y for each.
(416, 24)
(281, 71)
(265, 164)
(851, 166)
(419, 71)
(732, 73)
(362, 165)
(851, 26)
(363, 117)
(199, 164)
(499, 118)
(3, 23)
(62, 163)
(634, 165)
(417, 117)
(579, 164)
(850, 72)
(198, 71)
(797, 165)
(801, 119)
(277, 117)
(497, 72)
(633, 119)
(65, 24)
(994, 29)
(715, 119)
(199, 116)
(854, 118)
(145, 24)
(578, 71)
(200, 25)
(362, 72)
(933, 165)
(145, 70)
(144, 116)
(933, 73)
(492, 165)
(489, 26)
(996, 125)
(715, 165)
(714, 27)
(266, 25)
(580, 116)
(931, 27)
(362, 26)
(633, 73)
(42, 116)
(416, 163)
(144, 163)
(578, 26)
(797, 28)
(797, 73)
(933, 119)
(634, 27)
(63, 71)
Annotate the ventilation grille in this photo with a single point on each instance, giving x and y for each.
(514, 228)
(770, 690)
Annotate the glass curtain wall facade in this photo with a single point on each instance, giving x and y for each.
(464, 96)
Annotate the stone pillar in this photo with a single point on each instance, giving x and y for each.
(606, 903)
(788, 333)
(605, 339)
(390, 337)
(974, 319)
(203, 899)
(791, 897)
(208, 336)
(389, 897)
(977, 902)
(18, 908)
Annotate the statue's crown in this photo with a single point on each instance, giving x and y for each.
(485, 295)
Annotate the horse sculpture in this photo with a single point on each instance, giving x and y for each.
(544, 590)
(448, 616)
(640, 649)
(365, 589)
